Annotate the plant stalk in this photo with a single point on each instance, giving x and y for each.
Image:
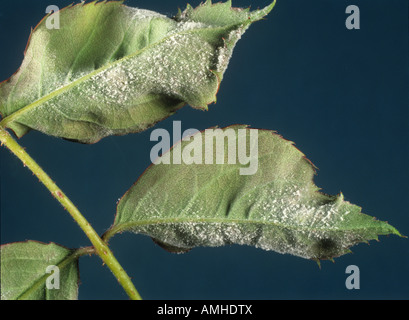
(101, 248)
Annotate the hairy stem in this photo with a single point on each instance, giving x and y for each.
(101, 248)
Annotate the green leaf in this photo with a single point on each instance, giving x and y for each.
(26, 266)
(111, 69)
(278, 208)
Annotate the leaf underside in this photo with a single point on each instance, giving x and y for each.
(112, 69)
(182, 206)
(24, 271)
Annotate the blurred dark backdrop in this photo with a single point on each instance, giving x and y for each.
(341, 95)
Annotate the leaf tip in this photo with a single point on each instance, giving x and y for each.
(389, 229)
(396, 232)
(260, 14)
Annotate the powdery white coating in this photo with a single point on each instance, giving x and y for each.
(190, 25)
(224, 53)
(170, 65)
(283, 220)
(278, 208)
(292, 206)
(310, 245)
(159, 58)
(140, 14)
(169, 69)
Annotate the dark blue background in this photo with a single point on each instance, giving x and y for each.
(341, 95)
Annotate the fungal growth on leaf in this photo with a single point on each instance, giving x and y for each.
(182, 206)
(112, 69)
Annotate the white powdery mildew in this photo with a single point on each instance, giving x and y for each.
(296, 224)
(224, 53)
(200, 234)
(111, 86)
(140, 14)
(291, 207)
(194, 234)
(190, 25)
(282, 220)
(179, 66)
(174, 67)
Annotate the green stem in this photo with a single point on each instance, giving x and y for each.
(101, 248)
